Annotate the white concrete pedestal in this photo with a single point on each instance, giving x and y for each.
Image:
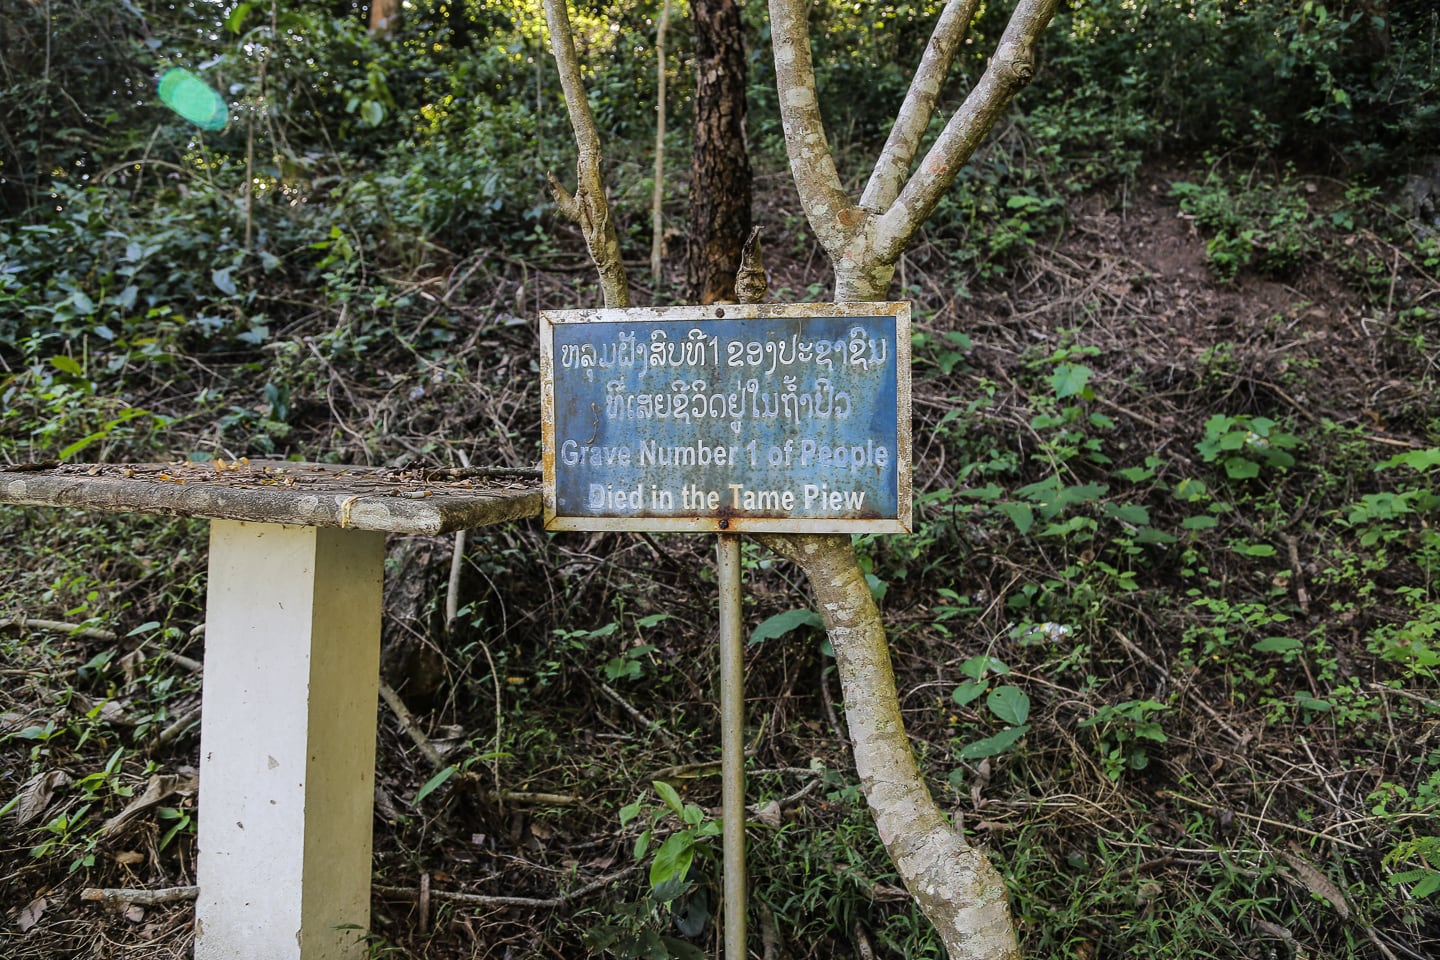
(287, 746)
(292, 655)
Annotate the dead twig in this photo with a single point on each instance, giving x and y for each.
(183, 722)
(56, 626)
(1240, 739)
(147, 898)
(649, 725)
(1171, 794)
(407, 720)
(486, 900)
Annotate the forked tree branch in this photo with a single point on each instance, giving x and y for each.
(913, 118)
(1009, 71)
(832, 214)
(588, 206)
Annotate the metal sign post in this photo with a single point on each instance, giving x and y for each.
(732, 742)
(729, 418)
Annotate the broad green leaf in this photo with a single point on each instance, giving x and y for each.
(669, 796)
(1073, 525)
(991, 491)
(67, 365)
(1070, 379)
(783, 623)
(1239, 468)
(1010, 704)
(968, 691)
(673, 858)
(1020, 514)
(1190, 490)
(1202, 522)
(223, 281)
(1276, 645)
(1082, 493)
(976, 667)
(236, 21)
(1041, 491)
(992, 746)
(82, 443)
(630, 811)
(1414, 459)
(1128, 512)
(434, 783)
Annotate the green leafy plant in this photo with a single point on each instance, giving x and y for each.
(1125, 731)
(1244, 444)
(676, 899)
(1006, 702)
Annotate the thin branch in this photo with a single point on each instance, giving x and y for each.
(141, 896)
(483, 900)
(652, 726)
(56, 626)
(832, 215)
(588, 206)
(914, 116)
(1009, 71)
(407, 720)
(181, 724)
(657, 232)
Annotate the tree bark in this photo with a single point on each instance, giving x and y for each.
(588, 206)
(657, 220)
(384, 16)
(954, 884)
(720, 165)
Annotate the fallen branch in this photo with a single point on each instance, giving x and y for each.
(486, 900)
(143, 897)
(407, 720)
(55, 626)
(530, 796)
(651, 726)
(181, 724)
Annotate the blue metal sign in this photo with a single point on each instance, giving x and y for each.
(773, 417)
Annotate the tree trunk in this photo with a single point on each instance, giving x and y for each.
(588, 206)
(954, 883)
(720, 165)
(657, 200)
(384, 16)
(956, 886)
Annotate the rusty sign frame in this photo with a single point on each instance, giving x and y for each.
(582, 359)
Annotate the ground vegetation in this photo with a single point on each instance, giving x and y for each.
(1165, 632)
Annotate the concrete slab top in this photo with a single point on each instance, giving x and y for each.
(412, 500)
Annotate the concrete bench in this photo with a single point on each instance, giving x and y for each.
(292, 644)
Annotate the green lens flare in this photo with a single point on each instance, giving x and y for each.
(193, 99)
